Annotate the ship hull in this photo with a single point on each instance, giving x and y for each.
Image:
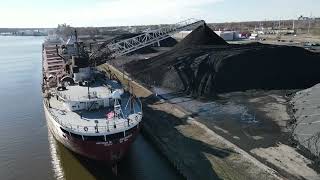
(110, 152)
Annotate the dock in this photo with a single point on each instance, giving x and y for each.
(193, 149)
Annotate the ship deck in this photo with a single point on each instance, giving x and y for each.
(78, 93)
(96, 119)
(99, 90)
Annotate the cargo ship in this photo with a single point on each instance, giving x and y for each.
(87, 111)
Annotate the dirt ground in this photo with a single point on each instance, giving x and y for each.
(238, 136)
(195, 151)
(305, 106)
(288, 40)
(255, 121)
(300, 38)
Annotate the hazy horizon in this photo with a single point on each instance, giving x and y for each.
(101, 13)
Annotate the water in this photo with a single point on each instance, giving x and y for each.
(28, 151)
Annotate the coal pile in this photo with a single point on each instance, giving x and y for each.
(125, 36)
(202, 35)
(268, 67)
(169, 42)
(204, 65)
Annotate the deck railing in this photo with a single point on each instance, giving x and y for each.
(111, 126)
(93, 95)
(108, 128)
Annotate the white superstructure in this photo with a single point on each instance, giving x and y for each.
(102, 113)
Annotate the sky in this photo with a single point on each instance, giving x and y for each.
(47, 14)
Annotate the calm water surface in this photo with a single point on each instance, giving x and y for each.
(28, 151)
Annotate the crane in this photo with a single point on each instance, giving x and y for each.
(113, 49)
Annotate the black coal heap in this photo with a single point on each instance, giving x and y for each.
(203, 64)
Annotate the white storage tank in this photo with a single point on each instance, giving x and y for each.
(228, 35)
(180, 35)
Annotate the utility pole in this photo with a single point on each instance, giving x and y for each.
(293, 25)
(309, 23)
(279, 24)
(88, 90)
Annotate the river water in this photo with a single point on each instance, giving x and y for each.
(28, 151)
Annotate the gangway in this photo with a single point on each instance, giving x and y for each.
(113, 49)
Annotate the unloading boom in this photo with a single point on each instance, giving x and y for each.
(115, 49)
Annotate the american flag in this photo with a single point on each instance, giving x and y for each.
(110, 115)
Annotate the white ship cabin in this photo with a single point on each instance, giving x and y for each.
(82, 97)
(102, 109)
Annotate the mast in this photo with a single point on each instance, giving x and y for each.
(76, 35)
(88, 89)
(76, 43)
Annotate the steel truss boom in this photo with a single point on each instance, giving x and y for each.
(123, 47)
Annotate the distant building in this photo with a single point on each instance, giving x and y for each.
(132, 29)
(303, 18)
(228, 35)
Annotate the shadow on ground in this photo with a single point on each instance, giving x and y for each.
(185, 153)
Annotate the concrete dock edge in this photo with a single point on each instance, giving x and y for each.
(188, 167)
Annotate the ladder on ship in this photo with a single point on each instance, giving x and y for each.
(111, 49)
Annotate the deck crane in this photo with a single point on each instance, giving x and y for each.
(113, 49)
